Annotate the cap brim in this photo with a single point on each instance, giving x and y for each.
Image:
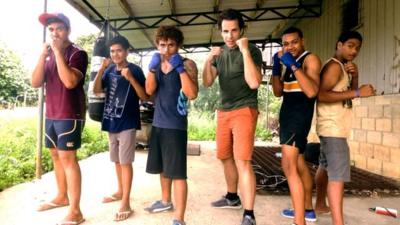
(44, 17)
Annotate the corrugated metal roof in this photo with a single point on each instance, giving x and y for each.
(138, 19)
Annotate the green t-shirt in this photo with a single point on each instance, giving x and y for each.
(234, 91)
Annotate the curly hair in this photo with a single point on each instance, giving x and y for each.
(169, 32)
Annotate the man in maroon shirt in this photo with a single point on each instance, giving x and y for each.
(61, 68)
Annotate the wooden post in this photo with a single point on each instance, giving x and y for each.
(40, 122)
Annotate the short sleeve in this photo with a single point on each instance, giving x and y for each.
(256, 55)
(79, 60)
(138, 74)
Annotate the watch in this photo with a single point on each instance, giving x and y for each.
(294, 68)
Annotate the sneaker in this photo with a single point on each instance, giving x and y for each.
(309, 215)
(177, 222)
(247, 220)
(159, 206)
(227, 204)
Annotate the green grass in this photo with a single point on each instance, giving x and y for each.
(18, 148)
(18, 143)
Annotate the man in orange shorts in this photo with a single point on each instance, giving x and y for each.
(238, 67)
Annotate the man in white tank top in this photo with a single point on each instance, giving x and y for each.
(338, 86)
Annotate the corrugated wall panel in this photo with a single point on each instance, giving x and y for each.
(381, 47)
(320, 34)
(395, 71)
(379, 58)
(390, 50)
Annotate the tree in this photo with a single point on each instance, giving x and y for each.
(14, 81)
(87, 42)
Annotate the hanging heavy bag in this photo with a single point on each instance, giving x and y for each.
(96, 102)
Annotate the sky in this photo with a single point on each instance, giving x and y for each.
(22, 32)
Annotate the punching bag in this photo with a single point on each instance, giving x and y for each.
(96, 102)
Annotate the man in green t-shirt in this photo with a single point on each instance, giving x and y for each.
(238, 67)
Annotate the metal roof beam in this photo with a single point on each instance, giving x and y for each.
(210, 20)
(172, 7)
(127, 9)
(208, 45)
(215, 10)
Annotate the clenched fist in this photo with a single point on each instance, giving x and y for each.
(214, 52)
(243, 44)
(126, 73)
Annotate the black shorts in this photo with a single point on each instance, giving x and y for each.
(167, 153)
(63, 134)
(298, 139)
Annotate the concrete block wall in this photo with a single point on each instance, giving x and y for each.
(375, 135)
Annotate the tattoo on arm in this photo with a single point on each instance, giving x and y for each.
(191, 69)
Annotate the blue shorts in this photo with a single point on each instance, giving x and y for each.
(63, 134)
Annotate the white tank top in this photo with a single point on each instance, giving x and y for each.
(333, 119)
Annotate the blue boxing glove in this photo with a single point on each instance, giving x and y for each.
(176, 62)
(276, 67)
(155, 62)
(290, 62)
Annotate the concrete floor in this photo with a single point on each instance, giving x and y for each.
(206, 183)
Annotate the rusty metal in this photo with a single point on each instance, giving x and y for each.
(363, 183)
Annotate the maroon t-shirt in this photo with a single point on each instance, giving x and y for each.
(63, 103)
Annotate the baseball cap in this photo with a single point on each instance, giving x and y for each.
(46, 18)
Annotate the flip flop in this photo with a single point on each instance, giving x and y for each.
(49, 205)
(110, 198)
(70, 222)
(120, 216)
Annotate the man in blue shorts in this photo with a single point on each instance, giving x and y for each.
(172, 80)
(61, 68)
(123, 83)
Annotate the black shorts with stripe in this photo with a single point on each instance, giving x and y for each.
(63, 134)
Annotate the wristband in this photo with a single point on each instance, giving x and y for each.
(357, 93)
(294, 67)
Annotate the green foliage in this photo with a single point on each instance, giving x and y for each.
(93, 140)
(18, 149)
(207, 99)
(201, 126)
(17, 163)
(262, 133)
(87, 43)
(14, 80)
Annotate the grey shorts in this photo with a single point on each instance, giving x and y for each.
(122, 146)
(335, 158)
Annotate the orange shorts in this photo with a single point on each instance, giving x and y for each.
(235, 133)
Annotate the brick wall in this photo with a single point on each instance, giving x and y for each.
(375, 136)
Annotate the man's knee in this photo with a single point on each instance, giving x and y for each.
(67, 157)
(243, 165)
